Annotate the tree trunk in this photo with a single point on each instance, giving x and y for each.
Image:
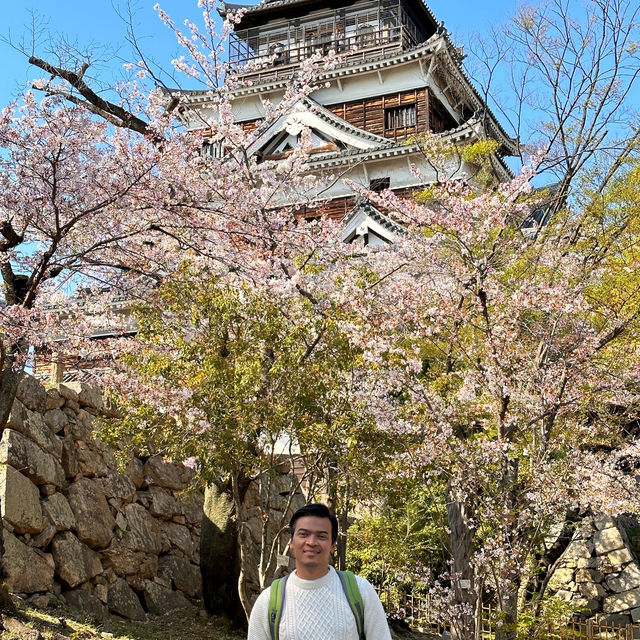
(545, 562)
(508, 624)
(343, 521)
(463, 622)
(219, 560)
(239, 485)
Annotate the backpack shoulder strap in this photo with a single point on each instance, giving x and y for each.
(276, 604)
(354, 597)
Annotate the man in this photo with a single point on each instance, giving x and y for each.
(315, 605)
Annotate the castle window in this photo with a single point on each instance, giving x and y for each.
(400, 117)
(379, 184)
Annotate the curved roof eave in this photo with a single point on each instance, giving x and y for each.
(225, 8)
(336, 159)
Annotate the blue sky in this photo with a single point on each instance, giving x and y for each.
(95, 22)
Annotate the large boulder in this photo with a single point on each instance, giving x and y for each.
(55, 399)
(123, 601)
(117, 485)
(165, 474)
(32, 394)
(56, 420)
(90, 461)
(87, 603)
(19, 501)
(17, 416)
(43, 539)
(86, 395)
(607, 540)
(26, 570)
(163, 504)
(26, 456)
(192, 509)
(183, 575)
(125, 561)
(59, 512)
(160, 600)
(135, 472)
(69, 457)
(622, 601)
(67, 391)
(626, 580)
(35, 428)
(75, 561)
(144, 531)
(177, 536)
(94, 522)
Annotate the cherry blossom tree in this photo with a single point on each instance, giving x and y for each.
(501, 355)
(77, 202)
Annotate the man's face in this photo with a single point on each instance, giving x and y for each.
(311, 546)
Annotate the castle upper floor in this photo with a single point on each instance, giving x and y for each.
(279, 34)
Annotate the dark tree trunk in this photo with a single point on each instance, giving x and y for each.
(545, 562)
(219, 558)
(343, 521)
(508, 628)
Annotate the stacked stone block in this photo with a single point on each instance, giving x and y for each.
(599, 574)
(76, 530)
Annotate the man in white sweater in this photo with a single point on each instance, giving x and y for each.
(315, 605)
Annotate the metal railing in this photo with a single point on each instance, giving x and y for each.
(280, 60)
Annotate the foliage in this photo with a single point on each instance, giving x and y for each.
(236, 383)
(553, 614)
(402, 540)
(236, 374)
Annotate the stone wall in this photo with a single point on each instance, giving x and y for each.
(599, 573)
(76, 530)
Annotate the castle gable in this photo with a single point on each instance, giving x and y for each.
(328, 133)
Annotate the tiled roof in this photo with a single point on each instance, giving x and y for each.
(364, 206)
(226, 7)
(351, 67)
(390, 149)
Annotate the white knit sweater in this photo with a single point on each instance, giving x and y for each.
(318, 610)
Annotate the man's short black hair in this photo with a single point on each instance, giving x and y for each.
(316, 510)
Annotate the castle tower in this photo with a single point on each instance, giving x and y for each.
(399, 76)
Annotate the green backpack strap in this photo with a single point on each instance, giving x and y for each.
(354, 597)
(276, 603)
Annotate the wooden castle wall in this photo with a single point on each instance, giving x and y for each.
(369, 114)
(340, 207)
